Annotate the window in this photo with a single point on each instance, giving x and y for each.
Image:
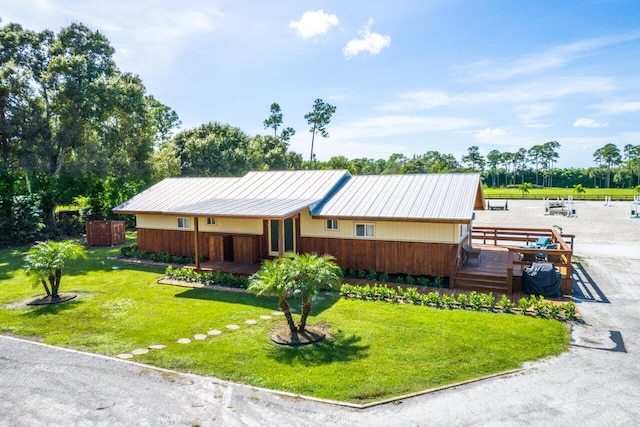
(365, 230)
(183, 223)
(211, 221)
(332, 224)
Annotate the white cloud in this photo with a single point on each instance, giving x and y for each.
(551, 58)
(370, 42)
(313, 24)
(541, 90)
(589, 123)
(489, 134)
(390, 125)
(422, 100)
(617, 107)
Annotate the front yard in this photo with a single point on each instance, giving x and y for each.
(379, 350)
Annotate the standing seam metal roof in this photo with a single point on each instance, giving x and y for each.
(428, 196)
(257, 194)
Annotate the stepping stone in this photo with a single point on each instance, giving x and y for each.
(184, 341)
(214, 332)
(125, 356)
(157, 346)
(251, 322)
(232, 327)
(200, 337)
(139, 351)
(265, 317)
(278, 313)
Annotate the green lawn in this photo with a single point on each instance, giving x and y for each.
(379, 350)
(540, 193)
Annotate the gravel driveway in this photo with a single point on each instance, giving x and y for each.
(588, 385)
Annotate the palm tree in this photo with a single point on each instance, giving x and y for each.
(45, 261)
(272, 279)
(305, 274)
(310, 273)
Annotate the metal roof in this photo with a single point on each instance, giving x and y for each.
(257, 194)
(170, 193)
(442, 197)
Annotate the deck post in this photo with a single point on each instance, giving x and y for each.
(196, 243)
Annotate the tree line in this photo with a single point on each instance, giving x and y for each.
(75, 130)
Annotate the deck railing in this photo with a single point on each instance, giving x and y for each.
(515, 238)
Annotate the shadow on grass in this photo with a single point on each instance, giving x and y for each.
(43, 310)
(270, 303)
(340, 348)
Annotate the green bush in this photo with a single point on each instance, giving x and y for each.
(207, 278)
(132, 251)
(505, 304)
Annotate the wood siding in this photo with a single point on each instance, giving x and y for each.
(105, 233)
(177, 242)
(415, 258)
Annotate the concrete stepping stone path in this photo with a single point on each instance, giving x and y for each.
(277, 313)
(232, 327)
(139, 351)
(200, 337)
(157, 347)
(214, 333)
(184, 341)
(125, 356)
(266, 317)
(251, 322)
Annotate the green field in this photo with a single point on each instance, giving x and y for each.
(379, 350)
(556, 192)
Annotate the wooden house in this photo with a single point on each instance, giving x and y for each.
(413, 224)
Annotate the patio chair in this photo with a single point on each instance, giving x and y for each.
(470, 252)
(541, 243)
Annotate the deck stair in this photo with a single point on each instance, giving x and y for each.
(496, 283)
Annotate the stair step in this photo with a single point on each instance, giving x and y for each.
(482, 281)
(481, 287)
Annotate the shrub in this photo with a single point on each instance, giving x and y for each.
(524, 304)
(438, 282)
(463, 300)
(505, 304)
(411, 294)
(372, 275)
(207, 278)
(424, 281)
(569, 310)
(448, 300)
(476, 300)
(384, 277)
(489, 301)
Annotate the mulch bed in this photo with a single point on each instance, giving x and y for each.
(312, 334)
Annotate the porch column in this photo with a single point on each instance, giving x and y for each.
(280, 237)
(196, 242)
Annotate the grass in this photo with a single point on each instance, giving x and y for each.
(554, 192)
(411, 349)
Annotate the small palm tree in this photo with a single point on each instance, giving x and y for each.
(45, 260)
(305, 274)
(272, 279)
(310, 273)
(524, 188)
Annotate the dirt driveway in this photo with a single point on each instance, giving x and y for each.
(591, 384)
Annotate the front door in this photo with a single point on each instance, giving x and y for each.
(281, 230)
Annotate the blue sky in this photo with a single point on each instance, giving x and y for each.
(406, 76)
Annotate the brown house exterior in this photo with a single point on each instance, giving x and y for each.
(413, 224)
